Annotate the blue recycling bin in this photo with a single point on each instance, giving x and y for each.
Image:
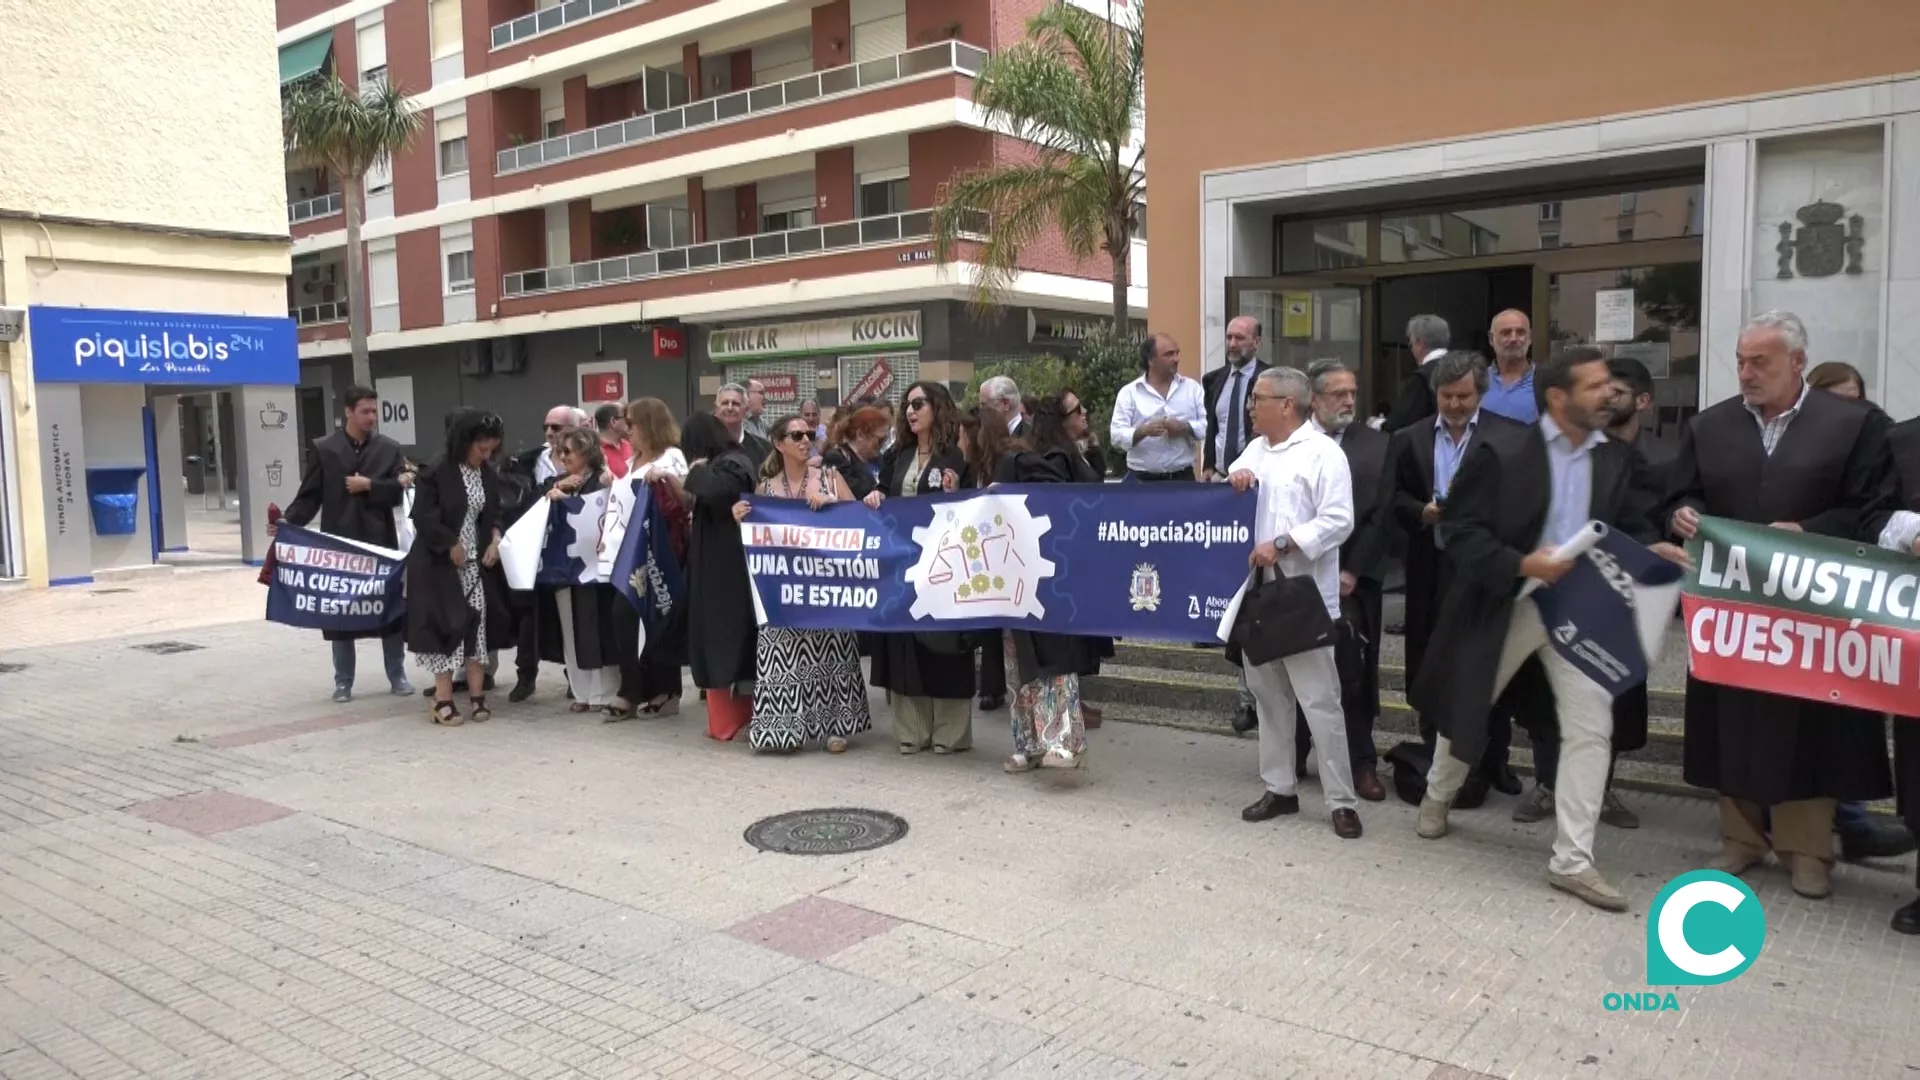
(113, 494)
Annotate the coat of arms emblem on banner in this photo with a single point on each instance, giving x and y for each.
(1144, 588)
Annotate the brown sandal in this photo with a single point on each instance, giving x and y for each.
(446, 715)
(480, 714)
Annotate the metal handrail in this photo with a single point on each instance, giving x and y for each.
(717, 254)
(315, 314)
(309, 209)
(517, 30)
(947, 56)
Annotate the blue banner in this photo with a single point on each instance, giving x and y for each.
(322, 582)
(1158, 561)
(572, 555)
(103, 345)
(1609, 614)
(645, 571)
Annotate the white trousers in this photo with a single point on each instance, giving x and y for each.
(1311, 679)
(1586, 741)
(593, 687)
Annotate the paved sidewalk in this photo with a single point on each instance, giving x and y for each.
(208, 870)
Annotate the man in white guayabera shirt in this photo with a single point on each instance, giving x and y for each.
(1304, 514)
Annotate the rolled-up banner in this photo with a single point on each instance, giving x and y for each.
(1157, 561)
(1806, 616)
(325, 582)
(1608, 615)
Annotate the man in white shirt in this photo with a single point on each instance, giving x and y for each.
(1160, 417)
(1305, 513)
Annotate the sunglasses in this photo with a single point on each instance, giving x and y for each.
(556, 427)
(798, 436)
(916, 404)
(1078, 410)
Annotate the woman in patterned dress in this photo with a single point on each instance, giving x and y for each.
(808, 686)
(453, 610)
(1049, 727)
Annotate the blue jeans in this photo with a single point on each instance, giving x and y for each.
(393, 649)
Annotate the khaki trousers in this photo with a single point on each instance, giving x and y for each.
(1803, 827)
(939, 722)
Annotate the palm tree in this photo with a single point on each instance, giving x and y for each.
(349, 133)
(1073, 92)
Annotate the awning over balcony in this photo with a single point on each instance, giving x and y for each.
(303, 58)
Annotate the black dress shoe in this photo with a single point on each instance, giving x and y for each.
(1875, 839)
(1907, 919)
(1244, 721)
(1346, 824)
(988, 704)
(1502, 780)
(522, 690)
(1271, 806)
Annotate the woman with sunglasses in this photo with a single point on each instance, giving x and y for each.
(721, 628)
(1049, 726)
(454, 612)
(930, 674)
(807, 683)
(584, 610)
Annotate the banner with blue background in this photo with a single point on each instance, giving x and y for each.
(106, 345)
(1608, 616)
(323, 582)
(1157, 561)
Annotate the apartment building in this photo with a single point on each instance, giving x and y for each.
(143, 255)
(618, 198)
(1643, 176)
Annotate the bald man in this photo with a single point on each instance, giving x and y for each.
(1225, 391)
(1510, 391)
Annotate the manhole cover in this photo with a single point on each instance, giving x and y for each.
(168, 648)
(826, 832)
(8, 669)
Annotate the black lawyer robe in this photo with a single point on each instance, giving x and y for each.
(1831, 474)
(1356, 653)
(721, 627)
(1904, 442)
(1495, 514)
(366, 517)
(438, 618)
(931, 665)
(1046, 656)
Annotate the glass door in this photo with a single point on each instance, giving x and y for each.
(1308, 318)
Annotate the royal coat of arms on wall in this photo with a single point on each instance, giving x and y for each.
(1823, 246)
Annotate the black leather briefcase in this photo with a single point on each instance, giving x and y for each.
(1280, 618)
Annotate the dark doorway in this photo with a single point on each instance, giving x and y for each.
(1467, 299)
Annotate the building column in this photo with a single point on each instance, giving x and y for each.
(269, 459)
(697, 207)
(1724, 288)
(167, 463)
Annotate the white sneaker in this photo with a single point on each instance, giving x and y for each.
(1432, 822)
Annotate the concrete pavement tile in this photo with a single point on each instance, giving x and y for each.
(813, 928)
(942, 1039)
(539, 914)
(815, 1005)
(1059, 1060)
(209, 812)
(366, 862)
(462, 891)
(922, 958)
(708, 970)
(269, 839)
(611, 941)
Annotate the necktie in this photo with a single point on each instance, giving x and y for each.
(1234, 410)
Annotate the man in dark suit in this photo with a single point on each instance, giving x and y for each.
(1225, 391)
(1901, 532)
(1356, 654)
(1422, 461)
(1781, 454)
(1427, 338)
(1516, 499)
(352, 482)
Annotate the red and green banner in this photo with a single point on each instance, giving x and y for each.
(1806, 616)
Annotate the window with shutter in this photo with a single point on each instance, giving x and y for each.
(444, 19)
(879, 29)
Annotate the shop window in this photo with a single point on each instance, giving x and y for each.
(879, 198)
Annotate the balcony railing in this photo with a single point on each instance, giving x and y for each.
(948, 56)
(319, 313)
(553, 18)
(313, 208)
(719, 254)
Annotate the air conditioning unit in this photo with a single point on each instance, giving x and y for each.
(509, 355)
(474, 358)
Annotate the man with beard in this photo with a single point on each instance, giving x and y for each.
(1224, 392)
(1510, 392)
(1783, 455)
(1517, 499)
(352, 483)
(1356, 653)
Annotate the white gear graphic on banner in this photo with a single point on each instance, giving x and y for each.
(586, 534)
(980, 559)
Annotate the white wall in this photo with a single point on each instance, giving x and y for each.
(144, 112)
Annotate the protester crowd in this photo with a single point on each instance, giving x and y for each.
(1470, 480)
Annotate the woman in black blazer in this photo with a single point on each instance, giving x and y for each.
(455, 613)
(931, 675)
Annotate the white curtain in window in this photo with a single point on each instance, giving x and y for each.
(445, 20)
(383, 277)
(373, 46)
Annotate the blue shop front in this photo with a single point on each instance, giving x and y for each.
(106, 390)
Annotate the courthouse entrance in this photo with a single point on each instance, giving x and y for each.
(1616, 266)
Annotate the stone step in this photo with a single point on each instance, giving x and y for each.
(1665, 700)
(1218, 696)
(1647, 770)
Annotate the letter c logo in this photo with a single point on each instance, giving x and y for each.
(1673, 932)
